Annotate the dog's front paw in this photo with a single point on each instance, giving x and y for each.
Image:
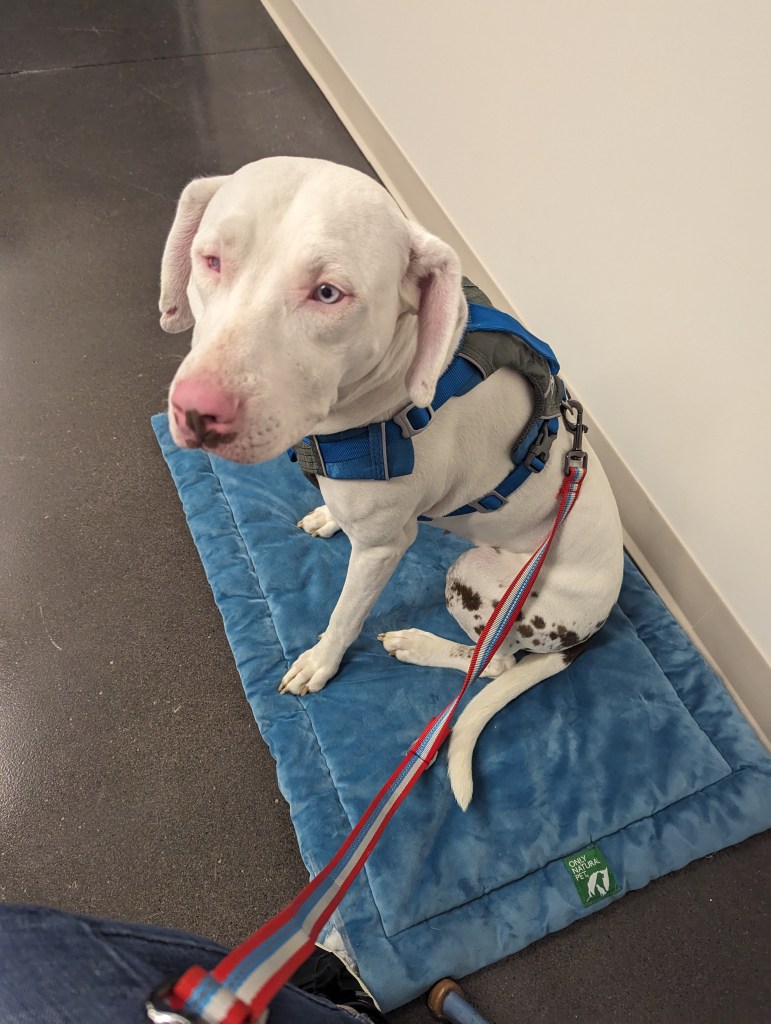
(312, 670)
(319, 523)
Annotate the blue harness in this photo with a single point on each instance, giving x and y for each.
(384, 450)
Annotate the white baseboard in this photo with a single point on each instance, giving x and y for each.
(680, 582)
(658, 550)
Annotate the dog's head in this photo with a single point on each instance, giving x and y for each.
(301, 278)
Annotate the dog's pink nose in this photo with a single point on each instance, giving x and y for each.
(204, 413)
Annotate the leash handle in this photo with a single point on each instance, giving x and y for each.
(239, 989)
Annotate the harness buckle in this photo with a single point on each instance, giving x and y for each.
(404, 423)
(539, 449)
(479, 507)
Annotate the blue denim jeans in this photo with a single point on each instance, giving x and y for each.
(57, 968)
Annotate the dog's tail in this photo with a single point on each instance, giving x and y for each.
(496, 695)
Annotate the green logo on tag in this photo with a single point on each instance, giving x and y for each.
(591, 874)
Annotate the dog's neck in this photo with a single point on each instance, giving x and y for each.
(383, 392)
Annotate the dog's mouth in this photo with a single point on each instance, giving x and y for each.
(239, 447)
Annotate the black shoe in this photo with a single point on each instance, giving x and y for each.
(324, 974)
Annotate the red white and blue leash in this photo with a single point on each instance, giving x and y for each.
(240, 987)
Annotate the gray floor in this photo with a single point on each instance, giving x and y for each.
(133, 782)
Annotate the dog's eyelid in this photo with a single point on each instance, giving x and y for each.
(323, 270)
(336, 280)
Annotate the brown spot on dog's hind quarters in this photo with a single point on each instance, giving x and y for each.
(469, 598)
(538, 622)
(478, 630)
(568, 637)
(536, 642)
(494, 604)
(572, 653)
(553, 635)
(525, 630)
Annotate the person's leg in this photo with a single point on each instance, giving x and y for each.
(60, 969)
(57, 968)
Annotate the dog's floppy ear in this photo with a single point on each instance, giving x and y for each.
(175, 266)
(433, 278)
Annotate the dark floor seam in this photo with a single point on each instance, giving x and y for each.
(139, 60)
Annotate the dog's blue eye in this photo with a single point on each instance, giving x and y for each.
(327, 293)
(213, 262)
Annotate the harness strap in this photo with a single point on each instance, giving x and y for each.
(384, 450)
(240, 987)
(487, 318)
(529, 456)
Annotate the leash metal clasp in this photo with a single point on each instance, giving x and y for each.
(157, 1013)
(576, 456)
(159, 1016)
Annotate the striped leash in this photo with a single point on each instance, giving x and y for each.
(240, 987)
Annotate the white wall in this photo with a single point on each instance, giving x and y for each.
(610, 165)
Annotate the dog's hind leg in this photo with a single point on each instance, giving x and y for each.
(475, 583)
(417, 647)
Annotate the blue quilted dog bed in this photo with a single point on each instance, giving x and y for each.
(629, 764)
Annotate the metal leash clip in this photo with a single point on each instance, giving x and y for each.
(156, 1016)
(576, 456)
(157, 1013)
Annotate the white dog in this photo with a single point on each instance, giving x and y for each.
(318, 308)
